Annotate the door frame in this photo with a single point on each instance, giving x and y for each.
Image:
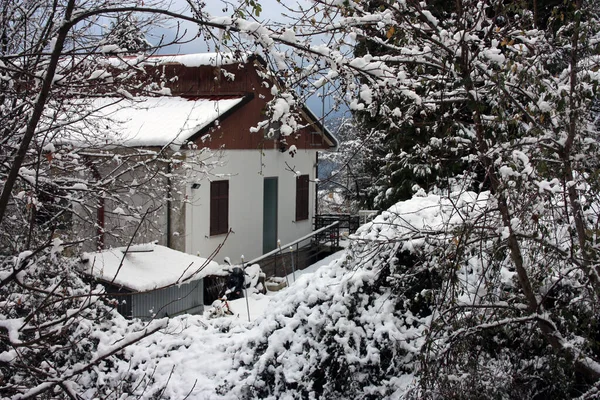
(266, 247)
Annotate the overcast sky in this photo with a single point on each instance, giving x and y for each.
(271, 11)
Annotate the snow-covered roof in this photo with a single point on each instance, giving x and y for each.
(188, 60)
(147, 267)
(199, 59)
(148, 121)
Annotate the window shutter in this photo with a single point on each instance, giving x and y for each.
(219, 207)
(302, 198)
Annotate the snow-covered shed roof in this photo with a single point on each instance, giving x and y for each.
(147, 267)
(149, 121)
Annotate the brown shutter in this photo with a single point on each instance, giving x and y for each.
(302, 197)
(219, 207)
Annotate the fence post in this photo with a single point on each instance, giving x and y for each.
(287, 281)
(245, 289)
(293, 264)
(277, 255)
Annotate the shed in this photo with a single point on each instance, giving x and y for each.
(151, 281)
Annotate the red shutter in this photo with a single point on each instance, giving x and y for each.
(219, 207)
(302, 197)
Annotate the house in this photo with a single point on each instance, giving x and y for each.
(255, 186)
(151, 281)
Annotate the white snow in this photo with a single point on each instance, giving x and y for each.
(199, 59)
(188, 60)
(307, 272)
(409, 218)
(148, 121)
(195, 356)
(146, 267)
(289, 36)
(79, 186)
(49, 148)
(494, 55)
(109, 48)
(259, 303)
(99, 74)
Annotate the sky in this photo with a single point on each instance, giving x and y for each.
(271, 12)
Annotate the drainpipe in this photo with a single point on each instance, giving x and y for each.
(316, 186)
(169, 204)
(100, 223)
(101, 207)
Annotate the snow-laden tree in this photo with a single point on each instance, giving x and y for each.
(345, 179)
(59, 167)
(58, 338)
(509, 91)
(509, 289)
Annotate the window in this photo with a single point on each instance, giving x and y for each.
(316, 139)
(53, 208)
(302, 197)
(272, 130)
(219, 207)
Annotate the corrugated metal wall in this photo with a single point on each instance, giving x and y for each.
(174, 300)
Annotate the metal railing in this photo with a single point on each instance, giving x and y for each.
(365, 216)
(305, 251)
(287, 259)
(302, 252)
(347, 222)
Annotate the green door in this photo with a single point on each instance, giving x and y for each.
(269, 214)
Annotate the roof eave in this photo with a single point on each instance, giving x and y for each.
(331, 139)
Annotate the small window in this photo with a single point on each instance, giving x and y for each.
(316, 139)
(302, 197)
(53, 208)
(272, 130)
(219, 207)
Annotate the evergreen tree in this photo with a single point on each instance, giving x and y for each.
(424, 151)
(125, 32)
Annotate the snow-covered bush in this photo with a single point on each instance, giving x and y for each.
(356, 328)
(59, 338)
(425, 303)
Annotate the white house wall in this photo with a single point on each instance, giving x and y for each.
(246, 171)
(121, 226)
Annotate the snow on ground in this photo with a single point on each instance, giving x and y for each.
(187, 358)
(258, 303)
(291, 278)
(224, 358)
(195, 358)
(191, 357)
